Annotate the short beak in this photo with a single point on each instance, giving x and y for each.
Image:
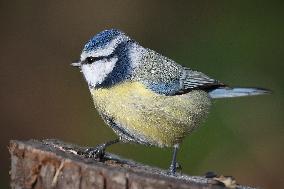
(76, 63)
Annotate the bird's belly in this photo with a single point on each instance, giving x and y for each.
(156, 119)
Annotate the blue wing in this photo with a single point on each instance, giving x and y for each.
(164, 76)
(186, 81)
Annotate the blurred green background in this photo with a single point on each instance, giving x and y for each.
(238, 42)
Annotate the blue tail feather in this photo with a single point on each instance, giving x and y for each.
(226, 92)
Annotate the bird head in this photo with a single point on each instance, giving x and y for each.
(105, 58)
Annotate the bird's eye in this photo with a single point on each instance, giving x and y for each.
(90, 59)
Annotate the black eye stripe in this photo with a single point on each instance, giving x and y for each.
(92, 59)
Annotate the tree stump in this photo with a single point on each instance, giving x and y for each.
(55, 164)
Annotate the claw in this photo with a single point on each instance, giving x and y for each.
(96, 153)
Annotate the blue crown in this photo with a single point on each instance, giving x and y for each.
(101, 39)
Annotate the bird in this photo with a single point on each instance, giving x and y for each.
(145, 97)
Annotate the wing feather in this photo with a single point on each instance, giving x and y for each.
(164, 76)
(194, 80)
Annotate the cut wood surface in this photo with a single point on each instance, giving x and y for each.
(56, 164)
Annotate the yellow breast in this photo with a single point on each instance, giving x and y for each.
(161, 120)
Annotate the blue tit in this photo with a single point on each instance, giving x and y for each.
(145, 97)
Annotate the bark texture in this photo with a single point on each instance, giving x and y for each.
(55, 164)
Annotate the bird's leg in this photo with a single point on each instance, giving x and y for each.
(173, 166)
(98, 152)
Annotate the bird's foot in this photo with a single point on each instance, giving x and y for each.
(174, 168)
(97, 152)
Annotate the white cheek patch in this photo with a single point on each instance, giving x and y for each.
(96, 72)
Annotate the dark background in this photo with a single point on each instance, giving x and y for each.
(238, 42)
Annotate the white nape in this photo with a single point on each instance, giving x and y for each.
(135, 54)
